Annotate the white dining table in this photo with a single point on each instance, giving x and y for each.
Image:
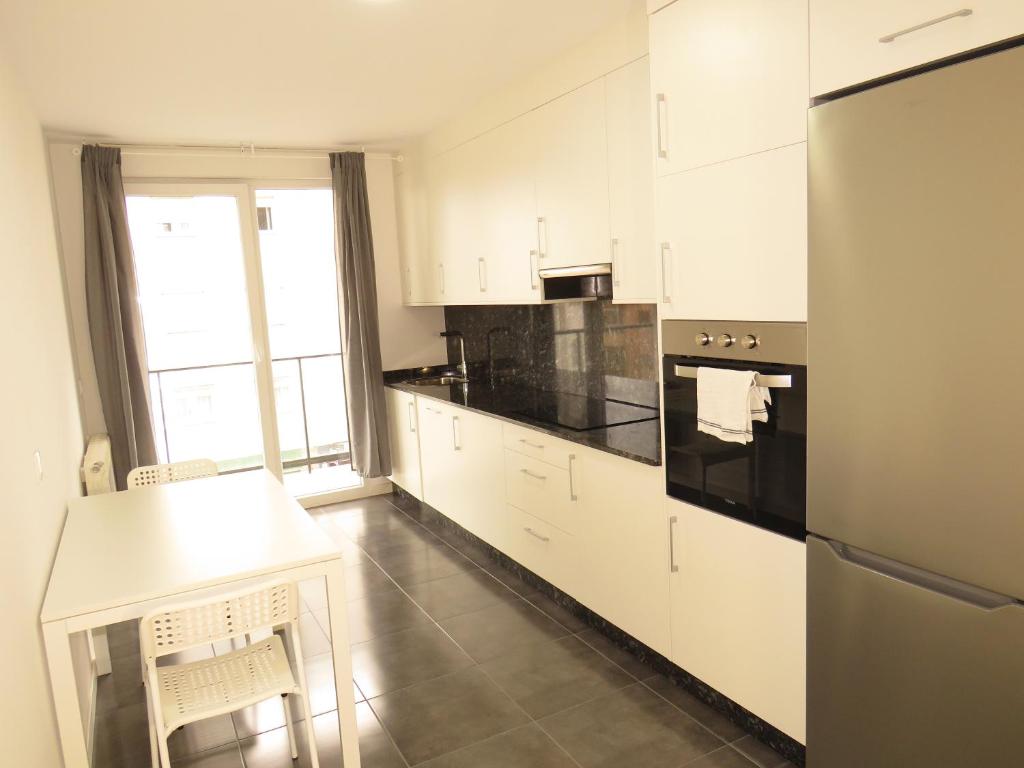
(122, 554)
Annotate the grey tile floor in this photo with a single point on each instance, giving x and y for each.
(457, 664)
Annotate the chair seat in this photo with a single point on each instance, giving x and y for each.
(201, 689)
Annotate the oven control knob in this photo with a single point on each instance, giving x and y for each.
(749, 341)
(726, 340)
(702, 339)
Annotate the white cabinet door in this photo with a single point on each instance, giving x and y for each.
(479, 495)
(729, 78)
(420, 276)
(738, 613)
(571, 172)
(852, 43)
(440, 468)
(506, 207)
(454, 216)
(625, 541)
(404, 438)
(733, 239)
(631, 183)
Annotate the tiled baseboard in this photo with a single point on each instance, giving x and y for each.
(783, 744)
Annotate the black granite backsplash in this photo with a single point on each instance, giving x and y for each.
(592, 348)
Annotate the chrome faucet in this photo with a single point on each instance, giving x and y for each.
(462, 350)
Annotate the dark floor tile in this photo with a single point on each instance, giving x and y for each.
(526, 747)
(607, 648)
(404, 658)
(633, 727)
(122, 738)
(458, 594)
(726, 757)
(556, 612)
(500, 628)
(417, 565)
(201, 736)
(722, 726)
(759, 753)
(545, 678)
(432, 718)
(381, 614)
(364, 579)
(227, 756)
(408, 535)
(508, 578)
(270, 750)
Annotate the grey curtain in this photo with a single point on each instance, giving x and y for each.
(360, 334)
(115, 319)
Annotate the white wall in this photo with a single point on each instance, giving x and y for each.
(408, 334)
(40, 414)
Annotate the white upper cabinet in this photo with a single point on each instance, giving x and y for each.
(854, 42)
(571, 173)
(733, 239)
(729, 78)
(631, 183)
(453, 223)
(420, 276)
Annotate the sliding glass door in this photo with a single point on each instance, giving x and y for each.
(240, 309)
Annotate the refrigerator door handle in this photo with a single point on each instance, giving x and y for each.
(917, 577)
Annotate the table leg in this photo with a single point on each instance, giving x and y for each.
(65, 694)
(336, 607)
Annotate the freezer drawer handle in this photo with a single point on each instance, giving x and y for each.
(925, 24)
(917, 577)
(672, 544)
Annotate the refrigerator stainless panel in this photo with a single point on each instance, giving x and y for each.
(901, 675)
(915, 355)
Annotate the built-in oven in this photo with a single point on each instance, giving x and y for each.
(762, 482)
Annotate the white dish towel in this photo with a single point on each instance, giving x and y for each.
(728, 402)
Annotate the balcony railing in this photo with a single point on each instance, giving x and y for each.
(202, 412)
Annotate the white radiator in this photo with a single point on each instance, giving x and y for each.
(98, 468)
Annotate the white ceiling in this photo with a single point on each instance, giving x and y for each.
(299, 73)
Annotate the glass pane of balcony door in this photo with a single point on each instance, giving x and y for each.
(296, 235)
(195, 309)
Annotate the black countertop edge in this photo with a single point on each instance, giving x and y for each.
(640, 441)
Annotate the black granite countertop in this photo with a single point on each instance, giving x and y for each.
(638, 441)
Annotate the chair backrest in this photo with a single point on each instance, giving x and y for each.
(158, 474)
(180, 626)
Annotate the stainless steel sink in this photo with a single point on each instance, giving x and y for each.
(437, 381)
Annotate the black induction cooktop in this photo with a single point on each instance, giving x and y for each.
(580, 413)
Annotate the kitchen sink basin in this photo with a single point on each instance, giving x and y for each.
(437, 381)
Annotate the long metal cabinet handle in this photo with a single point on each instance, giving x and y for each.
(572, 485)
(672, 544)
(441, 269)
(542, 238)
(666, 294)
(534, 475)
(412, 417)
(456, 439)
(933, 582)
(776, 381)
(662, 107)
(533, 271)
(963, 12)
(615, 262)
(538, 446)
(481, 273)
(537, 535)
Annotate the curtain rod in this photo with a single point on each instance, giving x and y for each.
(242, 150)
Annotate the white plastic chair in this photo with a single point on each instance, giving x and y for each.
(175, 472)
(178, 694)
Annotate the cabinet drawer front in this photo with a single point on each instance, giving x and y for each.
(537, 445)
(853, 43)
(541, 489)
(547, 551)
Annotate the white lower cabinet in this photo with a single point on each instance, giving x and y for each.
(545, 549)
(738, 613)
(463, 468)
(404, 438)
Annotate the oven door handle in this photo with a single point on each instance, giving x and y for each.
(777, 381)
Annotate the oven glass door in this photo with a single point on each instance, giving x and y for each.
(763, 482)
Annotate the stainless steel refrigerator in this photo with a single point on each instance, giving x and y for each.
(916, 422)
